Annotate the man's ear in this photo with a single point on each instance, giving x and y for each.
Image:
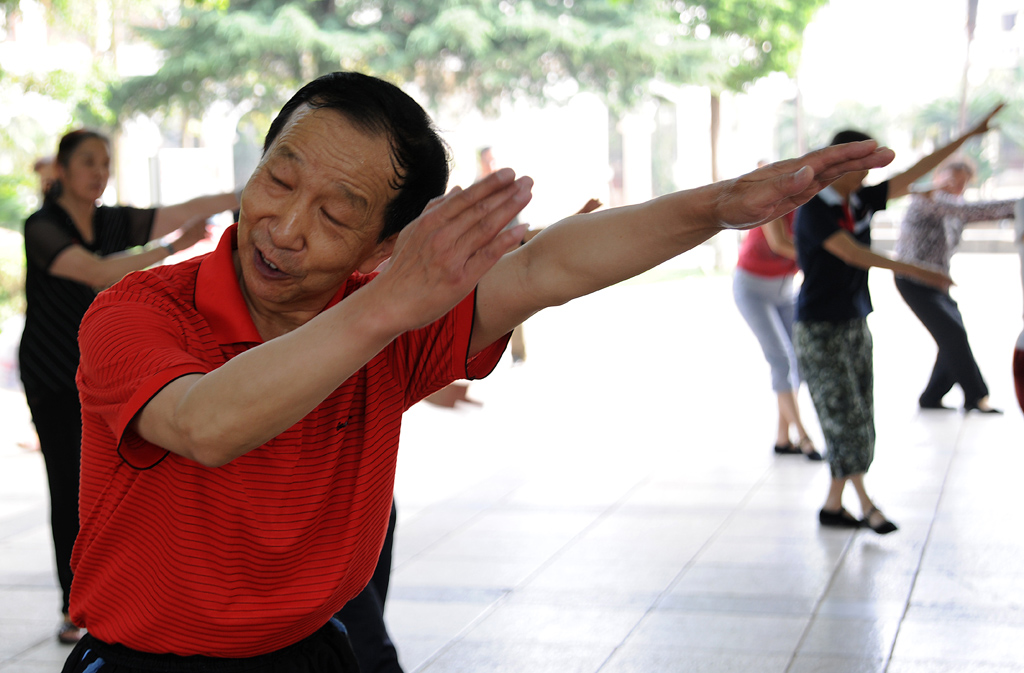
(379, 254)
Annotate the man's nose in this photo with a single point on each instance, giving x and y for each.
(287, 231)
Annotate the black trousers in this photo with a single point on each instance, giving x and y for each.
(363, 616)
(326, 651)
(58, 421)
(954, 363)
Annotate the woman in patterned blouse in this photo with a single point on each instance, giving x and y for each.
(930, 234)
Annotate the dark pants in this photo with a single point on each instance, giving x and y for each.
(363, 616)
(326, 651)
(836, 361)
(58, 421)
(954, 363)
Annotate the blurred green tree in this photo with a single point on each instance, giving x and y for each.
(763, 36)
(39, 104)
(939, 122)
(255, 53)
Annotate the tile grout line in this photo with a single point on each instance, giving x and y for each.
(821, 599)
(927, 540)
(494, 605)
(689, 564)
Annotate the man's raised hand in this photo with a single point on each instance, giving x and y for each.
(439, 258)
(774, 190)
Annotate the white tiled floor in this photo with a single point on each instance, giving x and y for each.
(614, 506)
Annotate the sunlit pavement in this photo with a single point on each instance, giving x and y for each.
(615, 505)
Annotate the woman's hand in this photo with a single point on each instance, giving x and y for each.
(983, 126)
(193, 231)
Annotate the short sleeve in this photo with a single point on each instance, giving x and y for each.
(428, 359)
(815, 222)
(875, 197)
(130, 351)
(140, 224)
(45, 239)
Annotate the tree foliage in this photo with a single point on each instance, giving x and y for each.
(764, 36)
(939, 123)
(257, 51)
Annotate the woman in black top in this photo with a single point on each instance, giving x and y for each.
(73, 249)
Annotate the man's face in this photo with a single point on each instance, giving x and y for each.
(311, 213)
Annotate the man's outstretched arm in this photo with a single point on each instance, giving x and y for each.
(585, 253)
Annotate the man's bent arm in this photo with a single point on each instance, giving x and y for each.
(585, 253)
(216, 417)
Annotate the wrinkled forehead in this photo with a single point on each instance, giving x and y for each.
(339, 156)
(327, 115)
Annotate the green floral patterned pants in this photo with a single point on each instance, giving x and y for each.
(836, 361)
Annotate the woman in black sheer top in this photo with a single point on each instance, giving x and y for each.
(73, 249)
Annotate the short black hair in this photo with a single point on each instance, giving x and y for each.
(849, 136)
(419, 156)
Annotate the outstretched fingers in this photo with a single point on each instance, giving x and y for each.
(831, 162)
(778, 188)
(440, 256)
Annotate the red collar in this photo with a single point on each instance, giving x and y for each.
(219, 296)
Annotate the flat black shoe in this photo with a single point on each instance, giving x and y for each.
(787, 449)
(806, 447)
(990, 410)
(883, 528)
(840, 519)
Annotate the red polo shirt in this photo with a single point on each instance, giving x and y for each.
(247, 558)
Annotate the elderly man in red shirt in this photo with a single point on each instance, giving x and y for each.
(242, 410)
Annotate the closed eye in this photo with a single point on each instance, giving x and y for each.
(333, 220)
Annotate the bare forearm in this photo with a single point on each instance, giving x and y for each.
(778, 239)
(217, 417)
(170, 218)
(854, 254)
(80, 265)
(585, 253)
(900, 184)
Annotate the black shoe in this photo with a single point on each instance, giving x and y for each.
(883, 528)
(787, 449)
(806, 447)
(937, 406)
(975, 407)
(840, 519)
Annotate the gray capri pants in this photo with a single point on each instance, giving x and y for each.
(836, 360)
(768, 304)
